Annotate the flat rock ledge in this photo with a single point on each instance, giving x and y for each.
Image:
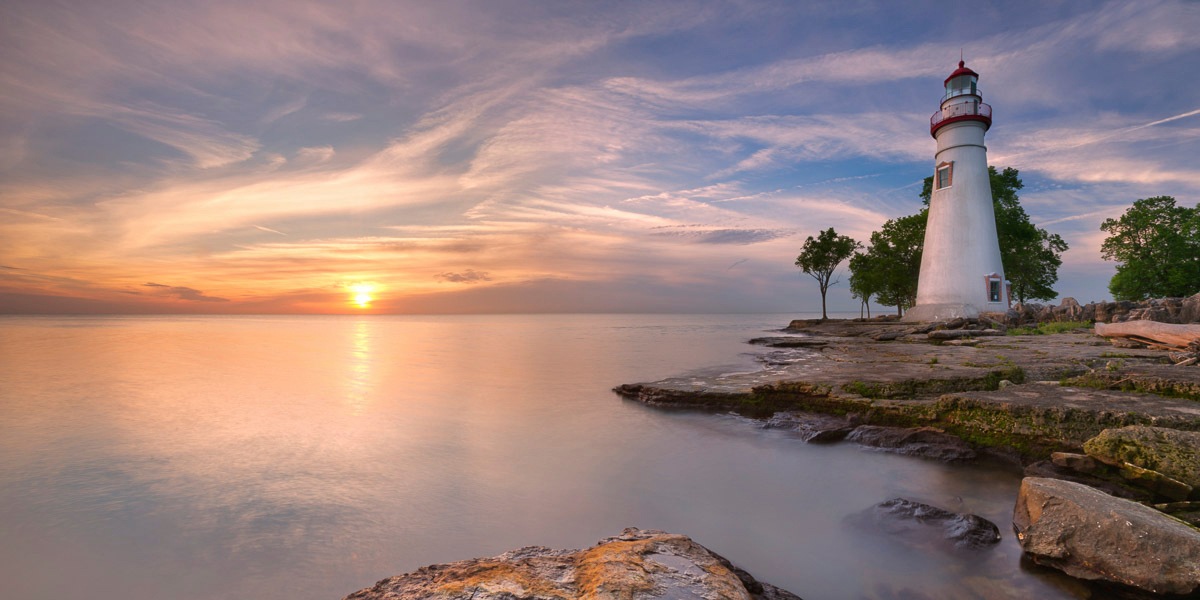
(638, 564)
(1033, 394)
(1091, 535)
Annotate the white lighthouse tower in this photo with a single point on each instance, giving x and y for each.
(961, 272)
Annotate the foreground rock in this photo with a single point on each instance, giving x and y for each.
(1091, 535)
(916, 522)
(638, 564)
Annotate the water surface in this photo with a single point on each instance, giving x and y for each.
(307, 457)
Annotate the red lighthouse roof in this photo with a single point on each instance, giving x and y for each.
(961, 70)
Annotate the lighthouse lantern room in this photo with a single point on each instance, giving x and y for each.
(961, 272)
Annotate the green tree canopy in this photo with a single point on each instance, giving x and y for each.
(820, 258)
(1158, 246)
(1031, 255)
(891, 264)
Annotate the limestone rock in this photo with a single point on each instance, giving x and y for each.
(811, 427)
(917, 522)
(638, 564)
(1102, 479)
(1076, 462)
(1154, 481)
(1068, 310)
(1189, 310)
(1091, 535)
(1172, 452)
(924, 442)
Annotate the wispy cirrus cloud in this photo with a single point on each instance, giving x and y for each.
(397, 143)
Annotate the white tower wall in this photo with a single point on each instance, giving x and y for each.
(961, 256)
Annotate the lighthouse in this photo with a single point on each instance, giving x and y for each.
(961, 273)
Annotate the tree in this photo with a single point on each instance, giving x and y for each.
(863, 283)
(1158, 246)
(1031, 255)
(820, 258)
(892, 263)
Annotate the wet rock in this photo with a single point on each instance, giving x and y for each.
(917, 522)
(924, 442)
(1091, 535)
(1174, 453)
(639, 563)
(811, 427)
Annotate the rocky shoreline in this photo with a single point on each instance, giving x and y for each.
(1108, 436)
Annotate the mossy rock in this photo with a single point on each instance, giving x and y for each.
(1172, 452)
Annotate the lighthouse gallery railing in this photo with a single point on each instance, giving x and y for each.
(963, 109)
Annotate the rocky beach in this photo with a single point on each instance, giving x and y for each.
(1106, 432)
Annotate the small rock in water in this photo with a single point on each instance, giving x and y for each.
(919, 522)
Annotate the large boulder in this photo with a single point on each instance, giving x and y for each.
(1068, 310)
(639, 563)
(1091, 535)
(1172, 452)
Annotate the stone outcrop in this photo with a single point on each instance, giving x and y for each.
(811, 427)
(974, 392)
(1172, 453)
(923, 442)
(638, 564)
(918, 523)
(1091, 535)
(1163, 310)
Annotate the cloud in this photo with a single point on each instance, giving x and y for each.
(268, 230)
(738, 237)
(315, 153)
(184, 293)
(468, 276)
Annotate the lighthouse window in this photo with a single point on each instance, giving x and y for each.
(945, 175)
(994, 290)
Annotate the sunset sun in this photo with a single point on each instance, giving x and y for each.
(361, 295)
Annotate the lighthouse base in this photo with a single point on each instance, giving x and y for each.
(941, 312)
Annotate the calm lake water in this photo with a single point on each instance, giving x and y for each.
(308, 457)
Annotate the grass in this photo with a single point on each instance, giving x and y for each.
(1051, 327)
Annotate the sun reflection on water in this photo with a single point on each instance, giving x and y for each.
(358, 380)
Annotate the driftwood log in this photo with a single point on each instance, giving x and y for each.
(1184, 340)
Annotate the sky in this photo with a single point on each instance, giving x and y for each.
(284, 156)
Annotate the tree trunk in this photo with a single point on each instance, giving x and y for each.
(1152, 332)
